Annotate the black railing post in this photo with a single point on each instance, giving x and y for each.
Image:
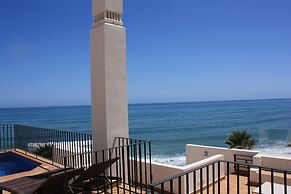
(285, 182)
(132, 162)
(152, 190)
(104, 170)
(213, 178)
(260, 180)
(110, 172)
(237, 179)
(218, 174)
(11, 136)
(1, 139)
(187, 183)
(145, 164)
(7, 138)
(140, 163)
(135, 166)
(201, 180)
(162, 188)
(117, 169)
(1, 128)
(171, 186)
(179, 185)
(66, 181)
(272, 181)
(194, 181)
(150, 157)
(128, 166)
(228, 176)
(123, 166)
(207, 179)
(249, 180)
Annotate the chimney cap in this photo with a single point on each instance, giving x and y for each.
(107, 5)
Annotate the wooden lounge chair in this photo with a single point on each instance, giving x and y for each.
(46, 183)
(55, 181)
(91, 179)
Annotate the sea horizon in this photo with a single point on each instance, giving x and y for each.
(170, 126)
(149, 103)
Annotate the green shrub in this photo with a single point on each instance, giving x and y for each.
(45, 151)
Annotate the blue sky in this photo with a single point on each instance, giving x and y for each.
(177, 50)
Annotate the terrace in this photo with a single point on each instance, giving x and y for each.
(53, 161)
(73, 150)
(131, 170)
(200, 180)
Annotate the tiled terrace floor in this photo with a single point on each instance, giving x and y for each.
(223, 187)
(243, 183)
(46, 165)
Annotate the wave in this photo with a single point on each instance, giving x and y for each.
(177, 159)
(279, 147)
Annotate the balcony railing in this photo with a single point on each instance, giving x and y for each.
(219, 177)
(30, 139)
(131, 173)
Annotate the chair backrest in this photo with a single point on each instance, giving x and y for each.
(96, 170)
(57, 181)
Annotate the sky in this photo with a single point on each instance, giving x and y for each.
(177, 50)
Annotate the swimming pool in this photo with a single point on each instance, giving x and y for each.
(11, 163)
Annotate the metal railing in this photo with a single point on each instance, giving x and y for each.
(245, 159)
(131, 173)
(7, 139)
(31, 139)
(218, 177)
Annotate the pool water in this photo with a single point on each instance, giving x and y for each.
(11, 163)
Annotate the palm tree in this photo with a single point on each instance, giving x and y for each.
(240, 140)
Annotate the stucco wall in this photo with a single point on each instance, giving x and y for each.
(108, 84)
(279, 161)
(162, 171)
(197, 152)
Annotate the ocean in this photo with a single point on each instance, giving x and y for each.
(170, 126)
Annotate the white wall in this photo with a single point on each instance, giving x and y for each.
(108, 78)
(162, 171)
(279, 161)
(195, 153)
